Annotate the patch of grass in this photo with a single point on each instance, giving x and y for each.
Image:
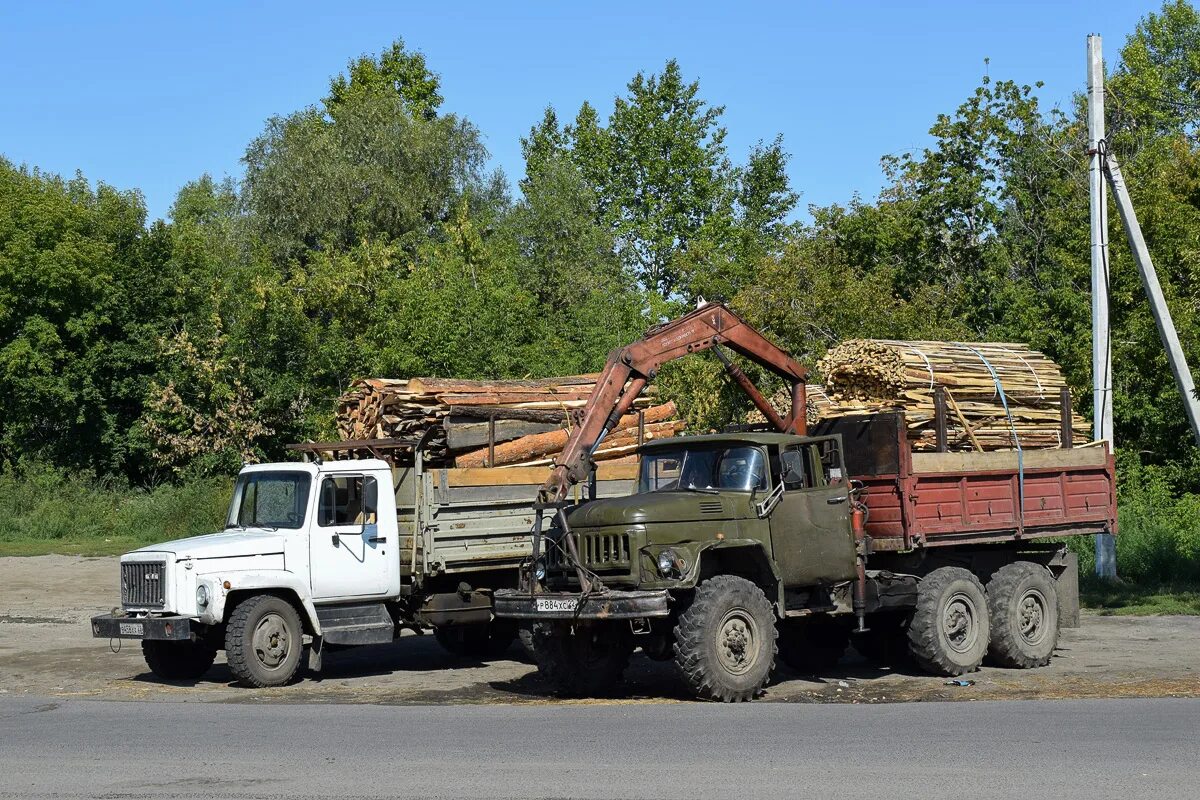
(44, 510)
(1131, 599)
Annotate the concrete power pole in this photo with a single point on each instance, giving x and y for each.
(1106, 553)
(1102, 165)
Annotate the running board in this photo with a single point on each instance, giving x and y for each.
(360, 623)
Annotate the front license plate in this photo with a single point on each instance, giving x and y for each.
(131, 628)
(555, 604)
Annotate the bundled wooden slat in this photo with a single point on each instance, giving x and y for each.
(872, 375)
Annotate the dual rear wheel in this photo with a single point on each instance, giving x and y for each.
(957, 623)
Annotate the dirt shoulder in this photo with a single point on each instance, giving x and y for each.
(46, 648)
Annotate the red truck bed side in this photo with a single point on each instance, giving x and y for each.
(931, 499)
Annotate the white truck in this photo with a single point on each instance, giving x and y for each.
(335, 553)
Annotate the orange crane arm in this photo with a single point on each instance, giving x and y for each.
(630, 368)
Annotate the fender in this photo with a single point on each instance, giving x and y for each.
(752, 548)
(251, 580)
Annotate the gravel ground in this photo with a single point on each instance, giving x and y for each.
(46, 649)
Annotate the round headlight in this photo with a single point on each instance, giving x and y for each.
(539, 571)
(202, 595)
(666, 562)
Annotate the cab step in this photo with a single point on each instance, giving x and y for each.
(356, 623)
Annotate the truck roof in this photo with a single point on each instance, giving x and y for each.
(746, 437)
(342, 465)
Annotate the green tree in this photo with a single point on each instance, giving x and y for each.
(395, 72)
(82, 303)
(320, 183)
(684, 219)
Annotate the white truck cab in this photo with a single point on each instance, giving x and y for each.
(297, 536)
(338, 552)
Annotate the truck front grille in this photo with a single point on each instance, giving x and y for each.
(599, 551)
(142, 583)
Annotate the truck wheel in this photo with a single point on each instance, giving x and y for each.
(481, 640)
(586, 662)
(813, 645)
(725, 641)
(1023, 607)
(949, 631)
(263, 641)
(178, 661)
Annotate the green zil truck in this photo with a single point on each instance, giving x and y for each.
(742, 547)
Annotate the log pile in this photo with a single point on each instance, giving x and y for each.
(870, 375)
(528, 420)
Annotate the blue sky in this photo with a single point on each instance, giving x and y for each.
(152, 95)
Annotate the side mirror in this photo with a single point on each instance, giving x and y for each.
(793, 466)
(370, 501)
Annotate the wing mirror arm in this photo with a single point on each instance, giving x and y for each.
(769, 502)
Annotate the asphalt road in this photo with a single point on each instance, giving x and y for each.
(1019, 749)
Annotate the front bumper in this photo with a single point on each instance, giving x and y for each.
(519, 604)
(119, 626)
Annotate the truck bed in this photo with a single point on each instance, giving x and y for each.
(932, 499)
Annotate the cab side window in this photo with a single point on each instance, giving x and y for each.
(811, 466)
(347, 500)
(831, 462)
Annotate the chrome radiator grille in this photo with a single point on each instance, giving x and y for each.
(143, 583)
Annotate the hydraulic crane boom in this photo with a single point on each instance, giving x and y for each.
(630, 368)
(626, 374)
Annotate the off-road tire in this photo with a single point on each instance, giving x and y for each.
(485, 640)
(178, 661)
(588, 661)
(948, 634)
(725, 642)
(1023, 607)
(812, 646)
(264, 641)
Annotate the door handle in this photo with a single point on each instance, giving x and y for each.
(377, 540)
(833, 501)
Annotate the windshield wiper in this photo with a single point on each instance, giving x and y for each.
(691, 487)
(235, 527)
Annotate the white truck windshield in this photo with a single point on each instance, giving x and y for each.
(269, 500)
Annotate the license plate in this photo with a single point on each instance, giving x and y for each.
(131, 628)
(555, 604)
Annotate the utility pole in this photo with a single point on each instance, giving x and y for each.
(1105, 544)
(1103, 165)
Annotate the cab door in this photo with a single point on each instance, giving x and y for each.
(347, 550)
(811, 535)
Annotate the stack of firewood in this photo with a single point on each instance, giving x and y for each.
(869, 375)
(525, 422)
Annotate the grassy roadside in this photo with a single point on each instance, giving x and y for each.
(1132, 599)
(47, 511)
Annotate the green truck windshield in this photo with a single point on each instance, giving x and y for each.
(737, 468)
(269, 500)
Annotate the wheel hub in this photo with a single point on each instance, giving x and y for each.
(736, 642)
(1031, 617)
(271, 641)
(960, 623)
